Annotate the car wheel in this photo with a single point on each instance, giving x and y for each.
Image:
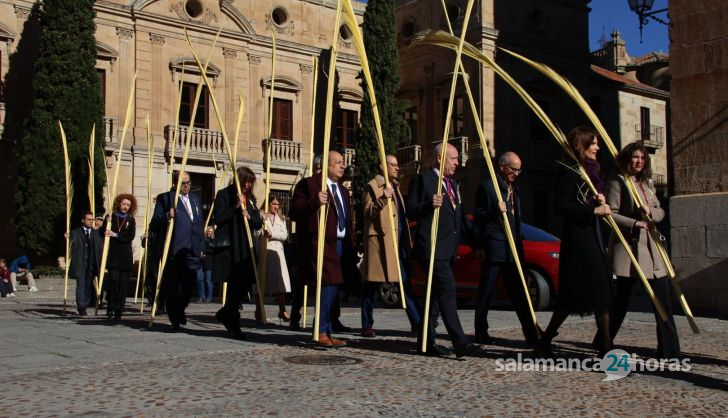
(539, 290)
(389, 293)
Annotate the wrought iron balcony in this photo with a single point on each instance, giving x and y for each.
(111, 129)
(349, 154)
(411, 155)
(651, 136)
(461, 144)
(283, 150)
(204, 141)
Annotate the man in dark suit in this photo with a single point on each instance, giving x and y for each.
(185, 251)
(452, 226)
(85, 260)
(499, 258)
(338, 256)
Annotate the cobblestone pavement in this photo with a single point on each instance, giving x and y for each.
(69, 366)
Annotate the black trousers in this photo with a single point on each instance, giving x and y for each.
(116, 291)
(84, 290)
(239, 283)
(444, 301)
(178, 282)
(668, 341)
(514, 287)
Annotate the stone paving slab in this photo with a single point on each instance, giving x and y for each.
(54, 365)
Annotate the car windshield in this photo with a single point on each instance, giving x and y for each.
(531, 233)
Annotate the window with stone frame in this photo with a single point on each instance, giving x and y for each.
(202, 119)
(282, 119)
(347, 125)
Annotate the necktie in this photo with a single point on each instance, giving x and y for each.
(450, 192)
(186, 202)
(339, 208)
(88, 234)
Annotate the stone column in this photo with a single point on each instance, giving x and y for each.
(254, 106)
(231, 105)
(126, 70)
(306, 108)
(157, 84)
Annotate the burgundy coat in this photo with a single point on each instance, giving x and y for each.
(304, 210)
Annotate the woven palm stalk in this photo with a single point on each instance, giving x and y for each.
(69, 194)
(268, 147)
(443, 39)
(183, 166)
(112, 190)
(576, 96)
(353, 25)
(323, 212)
(221, 121)
(150, 160)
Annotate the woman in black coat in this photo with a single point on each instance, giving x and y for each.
(233, 258)
(120, 257)
(584, 274)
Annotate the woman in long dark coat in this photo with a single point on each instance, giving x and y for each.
(120, 257)
(233, 258)
(584, 274)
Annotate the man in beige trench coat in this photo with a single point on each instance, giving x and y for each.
(379, 265)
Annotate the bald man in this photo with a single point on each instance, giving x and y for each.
(422, 200)
(499, 258)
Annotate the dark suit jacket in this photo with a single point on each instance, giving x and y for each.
(453, 225)
(231, 241)
(121, 256)
(304, 210)
(83, 255)
(188, 235)
(489, 220)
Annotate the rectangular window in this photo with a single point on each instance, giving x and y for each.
(347, 124)
(645, 123)
(282, 119)
(457, 119)
(102, 87)
(188, 99)
(410, 116)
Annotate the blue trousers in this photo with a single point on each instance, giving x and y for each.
(329, 293)
(204, 285)
(369, 291)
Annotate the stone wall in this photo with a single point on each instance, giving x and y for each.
(699, 235)
(699, 99)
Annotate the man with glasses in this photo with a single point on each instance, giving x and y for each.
(185, 252)
(499, 259)
(380, 265)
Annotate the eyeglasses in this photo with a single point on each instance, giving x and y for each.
(514, 170)
(186, 183)
(393, 165)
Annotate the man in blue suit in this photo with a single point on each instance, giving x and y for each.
(489, 219)
(185, 250)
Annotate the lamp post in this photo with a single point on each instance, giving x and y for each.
(642, 8)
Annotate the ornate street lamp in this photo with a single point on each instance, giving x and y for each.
(642, 8)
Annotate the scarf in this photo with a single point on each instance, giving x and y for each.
(592, 169)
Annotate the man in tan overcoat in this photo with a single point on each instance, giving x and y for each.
(379, 265)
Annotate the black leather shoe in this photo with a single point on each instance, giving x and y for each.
(469, 350)
(183, 319)
(483, 338)
(433, 351)
(337, 326)
(175, 326)
(294, 326)
(237, 334)
(82, 312)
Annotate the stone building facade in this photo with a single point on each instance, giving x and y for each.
(699, 218)
(147, 37)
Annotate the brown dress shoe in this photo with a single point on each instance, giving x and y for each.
(336, 342)
(324, 341)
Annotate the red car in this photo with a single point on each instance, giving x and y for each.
(541, 267)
